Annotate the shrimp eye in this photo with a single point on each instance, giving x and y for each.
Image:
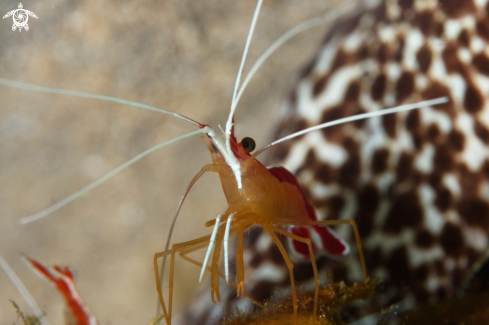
(248, 144)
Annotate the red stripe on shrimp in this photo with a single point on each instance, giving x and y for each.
(323, 239)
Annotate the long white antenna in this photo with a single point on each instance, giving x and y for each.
(25, 86)
(233, 162)
(326, 18)
(23, 291)
(101, 180)
(402, 108)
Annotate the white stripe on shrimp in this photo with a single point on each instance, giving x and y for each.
(210, 247)
(226, 239)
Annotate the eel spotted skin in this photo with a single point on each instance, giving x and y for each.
(416, 183)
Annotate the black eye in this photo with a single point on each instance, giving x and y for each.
(248, 144)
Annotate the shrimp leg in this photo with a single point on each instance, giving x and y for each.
(357, 238)
(175, 249)
(215, 264)
(306, 241)
(183, 255)
(270, 230)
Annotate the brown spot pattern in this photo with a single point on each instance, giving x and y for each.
(443, 199)
(424, 239)
(455, 8)
(405, 212)
(481, 62)
(424, 57)
(482, 132)
(379, 161)
(451, 240)
(404, 86)
(389, 122)
(473, 100)
(378, 88)
(456, 140)
(475, 212)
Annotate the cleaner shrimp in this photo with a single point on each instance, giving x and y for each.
(103, 242)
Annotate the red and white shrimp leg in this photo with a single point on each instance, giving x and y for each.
(62, 280)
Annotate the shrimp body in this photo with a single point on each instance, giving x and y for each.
(268, 196)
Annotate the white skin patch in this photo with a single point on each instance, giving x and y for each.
(480, 3)
(475, 238)
(349, 208)
(389, 99)
(424, 160)
(432, 116)
(306, 177)
(414, 41)
(306, 107)
(295, 158)
(269, 272)
(457, 86)
(482, 83)
(464, 55)
(263, 243)
(367, 102)
(385, 179)
(389, 243)
(393, 11)
(477, 44)
(382, 212)
(243, 304)
(419, 256)
(332, 154)
(484, 190)
(452, 29)
(475, 152)
(335, 91)
(322, 191)
(433, 220)
(432, 283)
(449, 264)
(403, 141)
(386, 33)
(376, 138)
(421, 82)
(354, 40)
(422, 5)
(393, 71)
(437, 68)
(452, 216)
(452, 184)
(325, 60)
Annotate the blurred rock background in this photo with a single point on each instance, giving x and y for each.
(178, 55)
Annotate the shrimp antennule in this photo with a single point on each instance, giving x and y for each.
(397, 109)
(233, 162)
(332, 15)
(101, 180)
